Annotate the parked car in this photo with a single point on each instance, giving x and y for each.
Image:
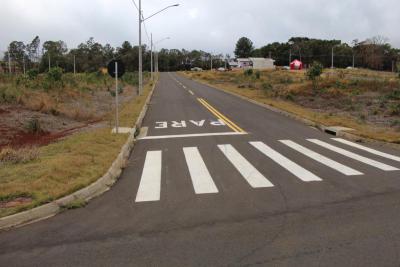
(221, 69)
(196, 69)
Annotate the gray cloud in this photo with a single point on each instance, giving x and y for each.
(199, 24)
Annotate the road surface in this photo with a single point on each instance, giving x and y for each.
(218, 181)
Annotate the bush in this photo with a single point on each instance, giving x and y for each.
(32, 74)
(258, 75)
(33, 126)
(394, 109)
(315, 71)
(55, 74)
(248, 72)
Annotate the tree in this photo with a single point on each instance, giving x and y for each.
(244, 48)
(32, 49)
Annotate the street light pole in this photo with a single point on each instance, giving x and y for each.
(140, 50)
(141, 20)
(332, 58)
(151, 57)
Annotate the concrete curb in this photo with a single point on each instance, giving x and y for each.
(95, 189)
(319, 126)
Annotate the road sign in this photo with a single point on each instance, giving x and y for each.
(112, 70)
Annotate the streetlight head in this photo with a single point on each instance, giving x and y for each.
(176, 5)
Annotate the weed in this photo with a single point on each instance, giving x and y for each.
(76, 204)
(394, 109)
(258, 75)
(55, 74)
(32, 74)
(33, 126)
(394, 95)
(248, 72)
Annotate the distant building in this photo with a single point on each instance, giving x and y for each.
(260, 63)
(253, 62)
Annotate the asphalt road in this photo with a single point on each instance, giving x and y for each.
(218, 181)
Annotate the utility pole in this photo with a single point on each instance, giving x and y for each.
(392, 65)
(140, 51)
(290, 56)
(353, 61)
(211, 62)
(270, 54)
(151, 57)
(74, 65)
(49, 62)
(23, 60)
(9, 62)
(332, 58)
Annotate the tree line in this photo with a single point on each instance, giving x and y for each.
(90, 56)
(374, 53)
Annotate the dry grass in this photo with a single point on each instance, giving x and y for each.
(66, 166)
(9, 155)
(284, 90)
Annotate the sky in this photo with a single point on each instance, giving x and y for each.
(209, 25)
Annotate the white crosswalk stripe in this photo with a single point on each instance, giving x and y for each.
(248, 171)
(321, 159)
(286, 163)
(370, 150)
(354, 156)
(150, 182)
(201, 178)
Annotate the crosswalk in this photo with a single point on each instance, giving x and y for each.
(203, 183)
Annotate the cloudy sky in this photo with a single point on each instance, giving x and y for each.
(211, 25)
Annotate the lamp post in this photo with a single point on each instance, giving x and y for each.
(141, 20)
(153, 45)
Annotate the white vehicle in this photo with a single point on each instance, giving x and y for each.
(196, 69)
(221, 69)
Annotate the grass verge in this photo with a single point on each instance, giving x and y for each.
(68, 165)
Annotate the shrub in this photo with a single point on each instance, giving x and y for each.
(395, 95)
(33, 126)
(32, 74)
(394, 109)
(248, 72)
(258, 75)
(267, 87)
(55, 74)
(315, 71)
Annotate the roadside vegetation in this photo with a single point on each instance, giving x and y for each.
(367, 101)
(55, 133)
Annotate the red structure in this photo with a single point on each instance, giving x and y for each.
(296, 65)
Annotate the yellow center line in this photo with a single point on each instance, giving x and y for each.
(219, 115)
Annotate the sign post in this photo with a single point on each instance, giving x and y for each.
(116, 98)
(116, 69)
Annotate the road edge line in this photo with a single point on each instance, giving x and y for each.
(97, 188)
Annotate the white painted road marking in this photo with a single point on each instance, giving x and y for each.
(191, 92)
(370, 150)
(190, 135)
(150, 182)
(354, 156)
(286, 163)
(201, 178)
(321, 159)
(248, 171)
